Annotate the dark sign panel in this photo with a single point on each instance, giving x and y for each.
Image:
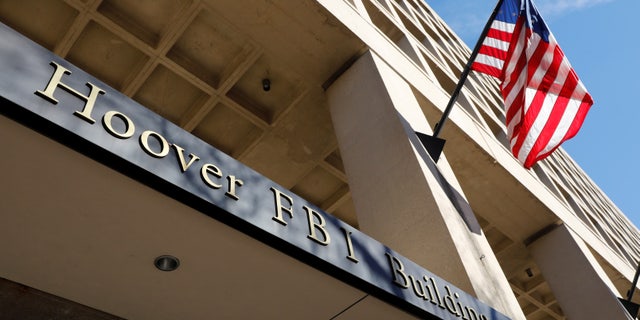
(36, 84)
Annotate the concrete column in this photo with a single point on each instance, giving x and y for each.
(581, 286)
(403, 198)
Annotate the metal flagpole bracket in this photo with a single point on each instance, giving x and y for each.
(434, 145)
(629, 305)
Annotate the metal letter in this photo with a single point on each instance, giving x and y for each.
(347, 235)
(183, 164)
(278, 195)
(106, 122)
(313, 226)
(144, 141)
(397, 269)
(207, 169)
(233, 182)
(55, 82)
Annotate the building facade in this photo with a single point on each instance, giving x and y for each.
(199, 159)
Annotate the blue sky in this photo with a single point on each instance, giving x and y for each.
(600, 39)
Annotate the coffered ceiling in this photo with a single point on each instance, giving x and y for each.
(201, 65)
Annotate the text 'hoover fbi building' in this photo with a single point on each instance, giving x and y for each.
(223, 159)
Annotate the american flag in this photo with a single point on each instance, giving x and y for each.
(545, 102)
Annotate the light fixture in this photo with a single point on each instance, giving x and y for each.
(266, 84)
(166, 263)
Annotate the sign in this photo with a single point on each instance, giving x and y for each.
(41, 89)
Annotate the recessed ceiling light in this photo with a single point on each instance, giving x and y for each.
(266, 84)
(167, 263)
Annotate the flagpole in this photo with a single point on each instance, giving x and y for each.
(465, 72)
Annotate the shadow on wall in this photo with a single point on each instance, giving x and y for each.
(457, 199)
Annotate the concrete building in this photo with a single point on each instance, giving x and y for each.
(265, 150)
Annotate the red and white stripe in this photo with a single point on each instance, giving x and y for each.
(495, 47)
